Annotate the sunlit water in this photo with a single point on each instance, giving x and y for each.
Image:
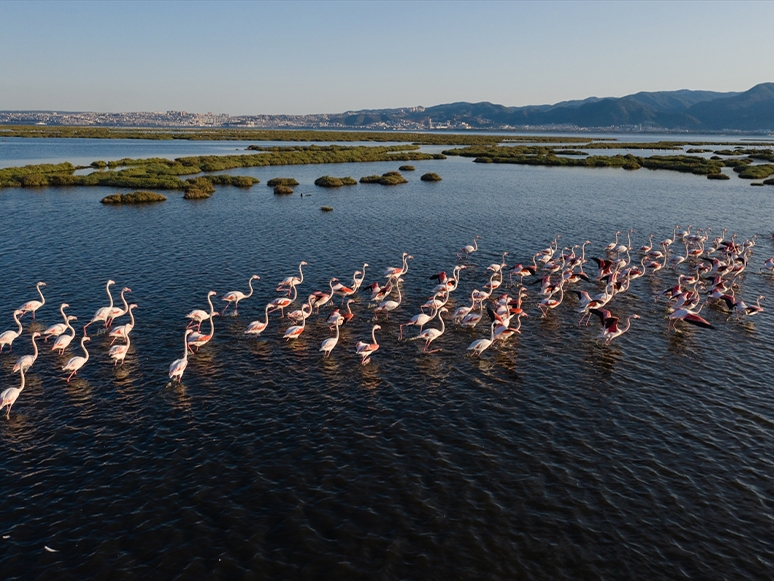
(551, 457)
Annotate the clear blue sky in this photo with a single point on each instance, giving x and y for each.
(316, 57)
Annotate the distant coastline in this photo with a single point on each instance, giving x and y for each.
(709, 112)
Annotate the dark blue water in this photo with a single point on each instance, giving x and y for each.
(551, 457)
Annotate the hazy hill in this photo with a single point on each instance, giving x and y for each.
(752, 110)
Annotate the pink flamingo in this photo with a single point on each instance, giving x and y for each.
(236, 296)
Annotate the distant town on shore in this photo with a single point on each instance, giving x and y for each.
(751, 111)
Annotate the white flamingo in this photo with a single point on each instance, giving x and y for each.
(118, 352)
(258, 327)
(9, 397)
(236, 296)
(7, 337)
(32, 306)
(116, 312)
(177, 367)
(25, 362)
(123, 331)
(103, 314)
(430, 335)
(469, 249)
(480, 345)
(63, 341)
(328, 345)
(198, 316)
(365, 350)
(59, 328)
(388, 306)
(77, 362)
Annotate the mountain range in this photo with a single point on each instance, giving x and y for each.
(752, 110)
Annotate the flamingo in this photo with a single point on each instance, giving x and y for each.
(295, 331)
(395, 273)
(551, 303)
(32, 306)
(430, 335)
(365, 350)
(197, 339)
(688, 316)
(321, 298)
(9, 397)
(63, 341)
(199, 316)
(123, 331)
(328, 345)
(356, 282)
(469, 249)
(116, 312)
(118, 352)
(103, 314)
(611, 330)
(387, 306)
(25, 362)
(645, 248)
(480, 345)
(257, 327)
(419, 320)
(283, 302)
(292, 281)
(502, 332)
(236, 296)
(349, 314)
(59, 328)
(301, 313)
(7, 337)
(76, 363)
(610, 247)
(177, 367)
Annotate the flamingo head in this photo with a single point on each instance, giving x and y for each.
(35, 334)
(64, 306)
(132, 306)
(86, 338)
(72, 318)
(365, 264)
(376, 327)
(304, 263)
(212, 293)
(409, 256)
(111, 281)
(255, 277)
(188, 332)
(126, 289)
(41, 283)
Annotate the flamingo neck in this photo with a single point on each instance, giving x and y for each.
(18, 322)
(35, 346)
(131, 318)
(21, 387)
(61, 310)
(83, 346)
(209, 300)
(110, 296)
(123, 299)
(42, 298)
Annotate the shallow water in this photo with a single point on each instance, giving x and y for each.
(551, 457)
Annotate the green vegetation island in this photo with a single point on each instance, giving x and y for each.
(430, 177)
(391, 178)
(134, 198)
(165, 174)
(332, 182)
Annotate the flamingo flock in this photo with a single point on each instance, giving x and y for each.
(709, 272)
